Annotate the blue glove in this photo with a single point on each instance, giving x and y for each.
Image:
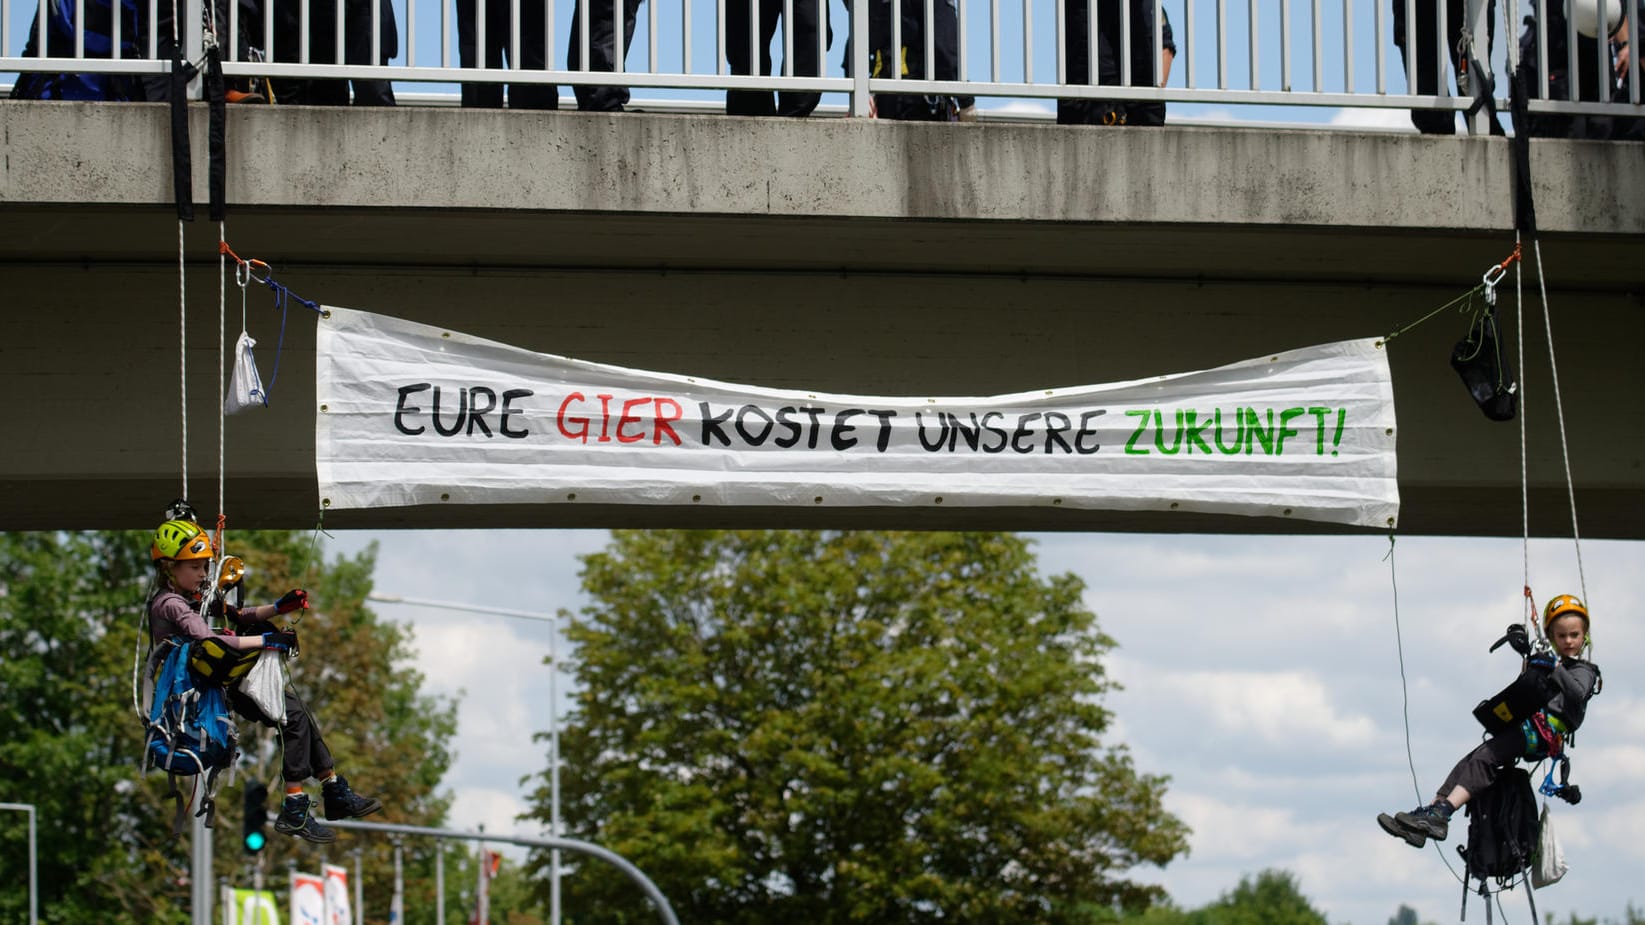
(280, 641)
(1544, 660)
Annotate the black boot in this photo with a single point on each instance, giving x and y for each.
(294, 819)
(343, 803)
(1417, 826)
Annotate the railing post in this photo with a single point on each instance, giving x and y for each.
(34, 863)
(859, 58)
(1479, 28)
(194, 44)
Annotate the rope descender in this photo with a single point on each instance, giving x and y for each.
(1495, 274)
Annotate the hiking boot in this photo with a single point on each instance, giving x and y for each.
(232, 95)
(1416, 826)
(343, 803)
(294, 819)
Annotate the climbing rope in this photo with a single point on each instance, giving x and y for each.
(1405, 699)
(182, 349)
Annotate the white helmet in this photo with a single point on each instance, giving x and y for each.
(1586, 13)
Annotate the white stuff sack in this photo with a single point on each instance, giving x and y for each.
(1550, 857)
(246, 387)
(265, 684)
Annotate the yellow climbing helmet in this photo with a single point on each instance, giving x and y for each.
(180, 540)
(1564, 605)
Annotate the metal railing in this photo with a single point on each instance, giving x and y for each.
(1309, 53)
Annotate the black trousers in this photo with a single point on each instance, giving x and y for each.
(739, 25)
(1588, 86)
(306, 754)
(1479, 768)
(322, 49)
(910, 58)
(532, 54)
(1110, 54)
(602, 51)
(1426, 27)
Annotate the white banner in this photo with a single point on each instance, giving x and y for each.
(308, 899)
(412, 414)
(339, 908)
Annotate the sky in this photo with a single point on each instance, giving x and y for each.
(1261, 673)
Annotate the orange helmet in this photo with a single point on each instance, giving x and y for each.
(179, 540)
(1561, 606)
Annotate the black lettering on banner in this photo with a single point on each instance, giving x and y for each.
(811, 441)
(885, 429)
(838, 438)
(1023, 430)
(785, 418)
(508, 409)
(971, 435)
(476, 414)
(711, 424)
(942, 435)
(401, 409)
(751, 438)
(998, 432)
(462, 409)
(1057, 424)
(1085, 430)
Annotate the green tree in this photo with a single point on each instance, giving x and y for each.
(821, 727)
(1405, 916)
(1273, 898)
(71, 743)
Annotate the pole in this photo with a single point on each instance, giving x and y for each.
(397, 911)
(359, 891)
(200, 899)
(34, 872)
(482, 912)
(554, 779)
(439, 882)
(665, 912)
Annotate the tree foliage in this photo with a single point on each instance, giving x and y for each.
(71, 606)
(1273, 897)
(820, 727)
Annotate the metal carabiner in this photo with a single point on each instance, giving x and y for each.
(1493, 276)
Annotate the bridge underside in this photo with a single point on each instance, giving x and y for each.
(840, 255)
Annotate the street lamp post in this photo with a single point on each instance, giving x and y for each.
(553, 715)
(34, 874)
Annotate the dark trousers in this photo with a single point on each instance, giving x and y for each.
(322, 49)
(807, 62)
(1110, 51)
(1426, 27)
(602, 51)
(532, 55)
(945, 42)
(1479, 768)
(305, 752)
(1588, 86)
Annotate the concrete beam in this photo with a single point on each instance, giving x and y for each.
(843, 255)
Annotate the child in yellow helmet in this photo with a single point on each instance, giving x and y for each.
(182, 554)
(1571, 681)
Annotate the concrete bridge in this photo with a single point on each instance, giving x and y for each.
(846, 255)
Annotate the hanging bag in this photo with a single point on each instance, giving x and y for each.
(266, 685)
(246, 386)
(1549, 864)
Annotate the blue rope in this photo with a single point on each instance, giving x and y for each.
(282, 298)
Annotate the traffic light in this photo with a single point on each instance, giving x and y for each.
(256, 817)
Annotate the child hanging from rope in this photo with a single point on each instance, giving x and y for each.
(182, 555)
(1566, 683)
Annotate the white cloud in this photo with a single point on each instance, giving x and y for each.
(1364, 117)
